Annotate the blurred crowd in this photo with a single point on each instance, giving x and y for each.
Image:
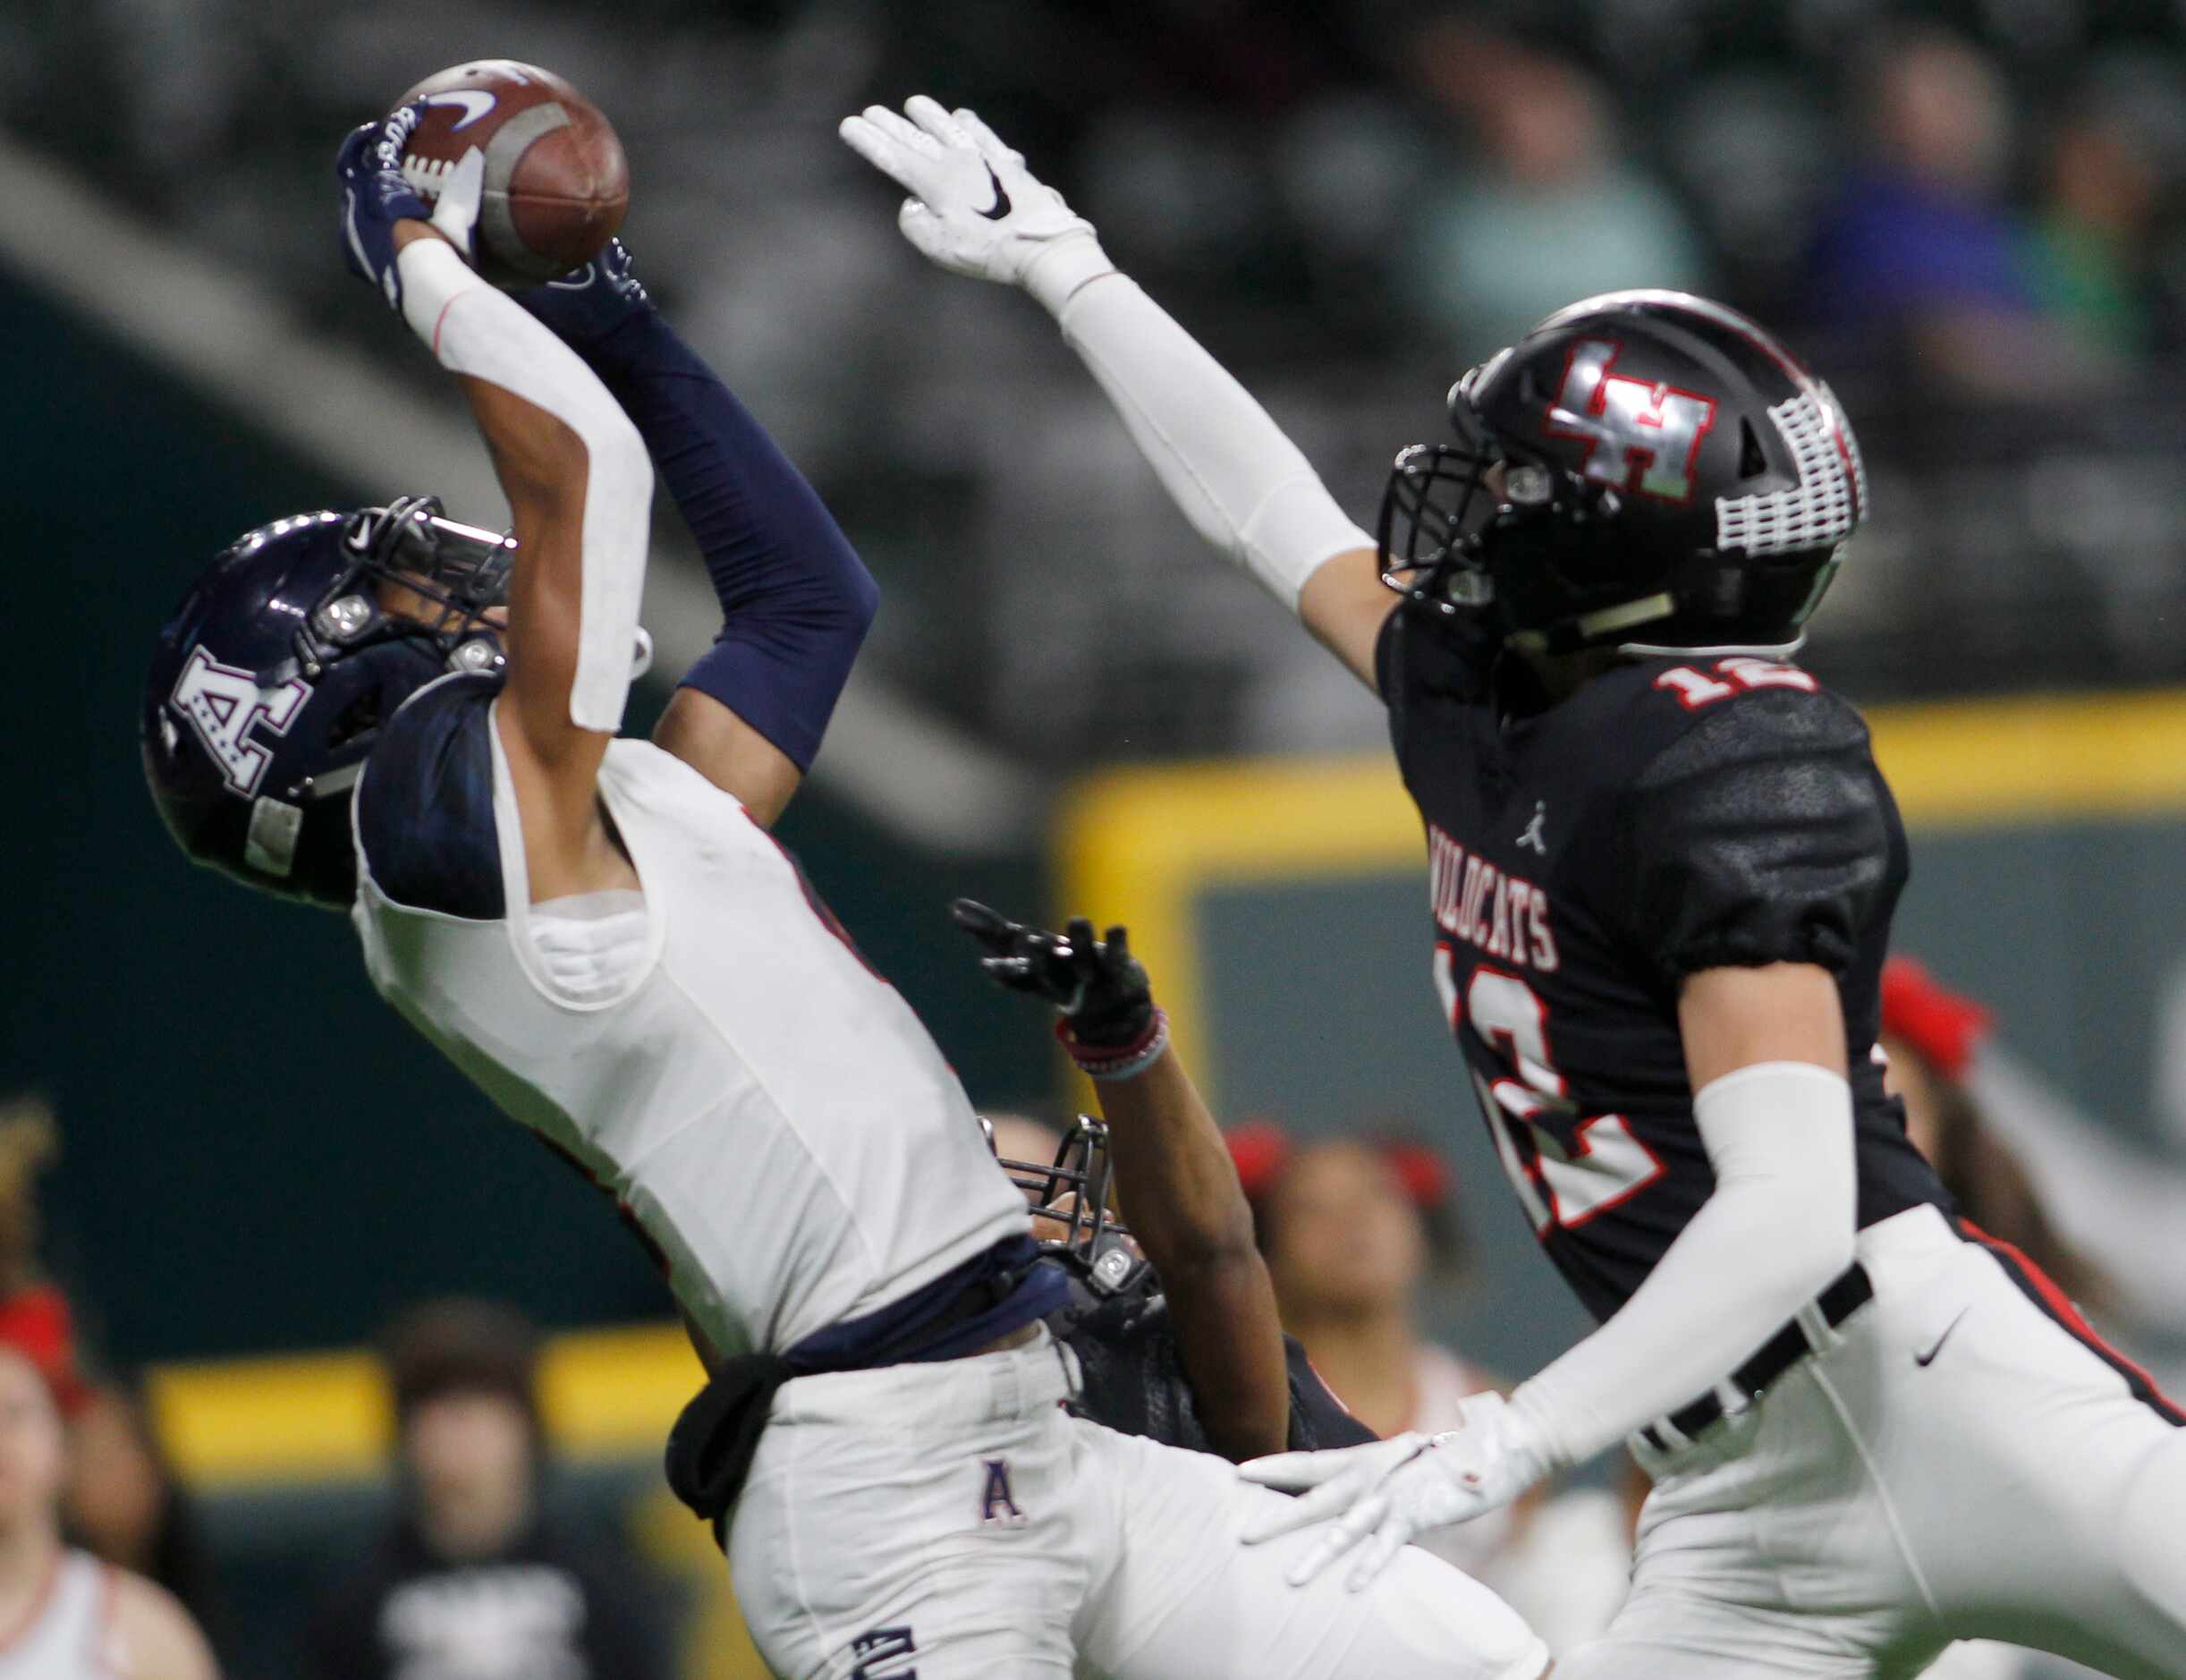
(1969, 214)
(473, 1562)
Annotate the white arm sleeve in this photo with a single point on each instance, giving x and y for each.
(1241, 483)
(474, 329)
(1777, 1231)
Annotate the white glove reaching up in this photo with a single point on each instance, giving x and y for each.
(975, 208)
(1389, 1491)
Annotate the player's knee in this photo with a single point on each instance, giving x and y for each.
(2152, 1532)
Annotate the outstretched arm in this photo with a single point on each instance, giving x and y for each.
(579, 486)
(1765, 1049)
(977, 210)
(795, 598)
(1174, 1178)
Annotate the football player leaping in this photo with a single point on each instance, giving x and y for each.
(395, 714)
(1663, 868)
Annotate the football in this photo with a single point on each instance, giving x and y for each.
(556, 180)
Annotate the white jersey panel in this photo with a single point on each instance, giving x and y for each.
(772, 1113)
(68, 1636)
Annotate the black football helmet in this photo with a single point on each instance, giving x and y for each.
(1087, 1236)
(271, 680)
(1646, 471)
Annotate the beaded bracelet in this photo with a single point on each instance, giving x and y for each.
(1107, 1062)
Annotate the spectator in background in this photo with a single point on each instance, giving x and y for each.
(1351, 1228)
(1930, 1034)
(2091, 257)
(472, 1581)
(67, 1616)
(125, 1505)
(1541, 209)
(1920, 261)
(35, 1318)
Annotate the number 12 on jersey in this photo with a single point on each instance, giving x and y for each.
(1564, 1168)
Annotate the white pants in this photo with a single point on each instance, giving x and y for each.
(951, 1520)
(1871, 1507)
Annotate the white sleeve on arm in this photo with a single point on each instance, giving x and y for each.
(474, 329)
(1243, 484)
(1777, 1231)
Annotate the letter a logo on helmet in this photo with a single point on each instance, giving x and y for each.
(221, 703)
(1639, 436)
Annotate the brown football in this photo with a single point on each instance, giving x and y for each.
(556, 182)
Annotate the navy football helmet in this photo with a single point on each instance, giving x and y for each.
(1647, 471)
(1086, 1236)
(273, 676)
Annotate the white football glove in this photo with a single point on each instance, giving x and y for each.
(455, 212)
(1387, 1492)
(975, 208)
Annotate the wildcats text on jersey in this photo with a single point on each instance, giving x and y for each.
(1502, 914)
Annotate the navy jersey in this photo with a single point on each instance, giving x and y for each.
(1670, 816)
(425, 811)
(1134, 1381)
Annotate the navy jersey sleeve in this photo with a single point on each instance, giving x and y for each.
(425, 808)
(1761, 834)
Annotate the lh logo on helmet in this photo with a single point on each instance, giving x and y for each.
(1640, 435)
(222, 703)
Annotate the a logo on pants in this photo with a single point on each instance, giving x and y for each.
(875, 1651)
(995, 1505)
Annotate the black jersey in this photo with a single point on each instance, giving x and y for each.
(1134, 1380)
(1672, 815)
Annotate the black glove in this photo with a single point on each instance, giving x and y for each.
(1099, 987)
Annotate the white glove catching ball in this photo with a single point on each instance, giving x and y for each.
(975, 208)
(1387, 1492)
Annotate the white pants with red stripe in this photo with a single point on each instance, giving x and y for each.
(951, 1520)
(1959, 1460)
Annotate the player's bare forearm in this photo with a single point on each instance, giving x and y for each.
(1731, 1018)
(1180, 1193)
(1344, 605)
(541, 464)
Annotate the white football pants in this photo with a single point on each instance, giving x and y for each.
(1961, 1460)
(951, 1520)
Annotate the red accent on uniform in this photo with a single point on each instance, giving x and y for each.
(2059, 1306)
(1586, 1147)
(1946, 1027)
(1332, 1394)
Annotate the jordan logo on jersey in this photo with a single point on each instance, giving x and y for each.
(1535, 838)
(1640, 435)
(995, 1505)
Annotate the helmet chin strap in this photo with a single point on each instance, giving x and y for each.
(1576, 635)
(1722, 651)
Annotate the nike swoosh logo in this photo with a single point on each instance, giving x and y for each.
(1002, 198)
(1928, 1358)
(473, 102)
